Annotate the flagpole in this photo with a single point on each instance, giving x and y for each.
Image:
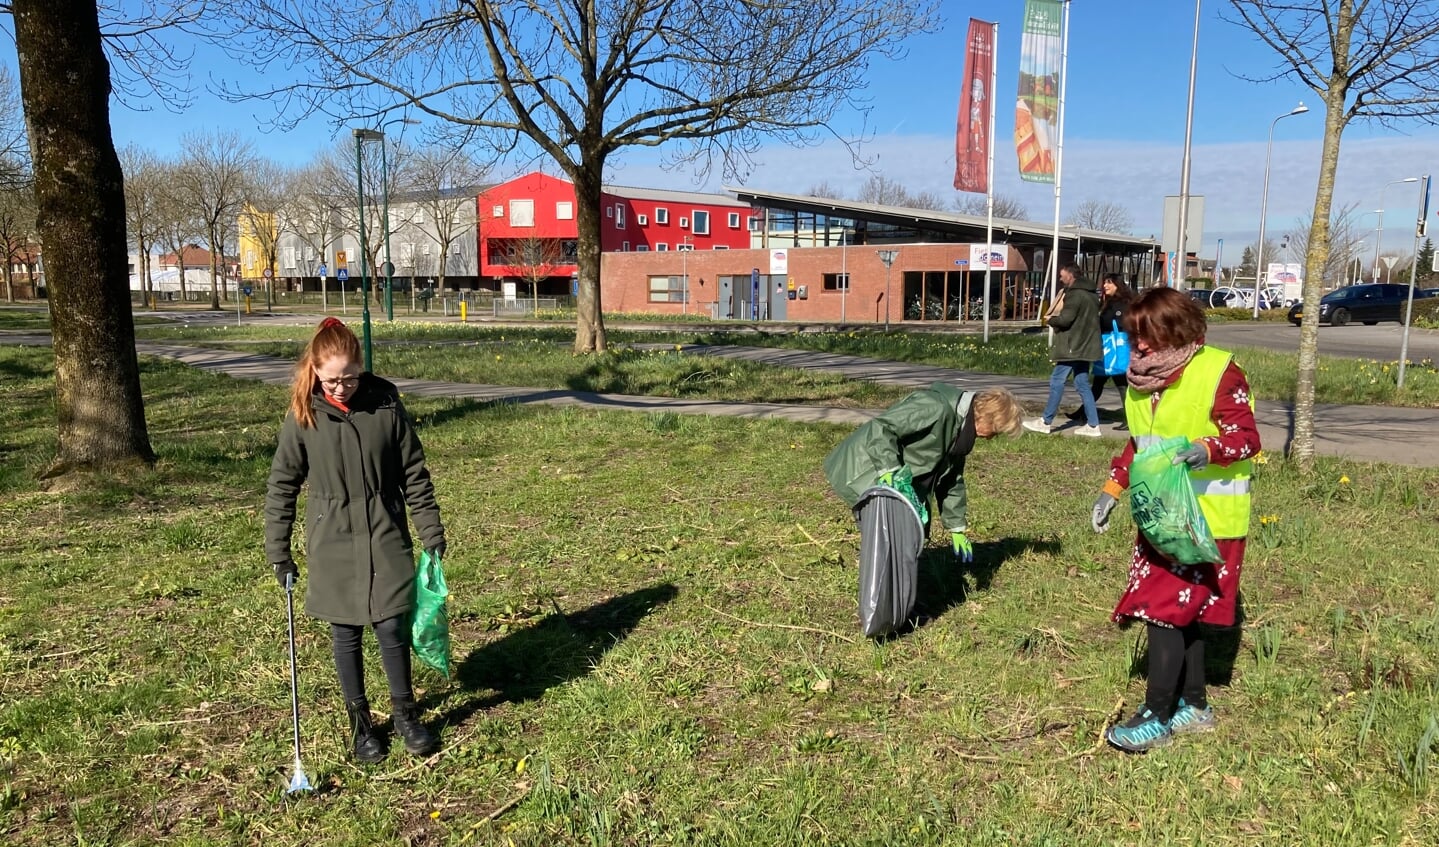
(989, 224)
(1059, 158)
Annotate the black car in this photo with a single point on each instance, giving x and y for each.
(1369, 303)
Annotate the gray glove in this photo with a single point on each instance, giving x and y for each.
(1196, 456)
(286, 573)
(1099, 517)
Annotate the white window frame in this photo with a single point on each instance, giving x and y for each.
(753, 223)
(497, 211)
(734, 220)
(720, 247)
(564, 210)
(642, 248)
(661, 247)
(684, 223)
(624, 247)
(682, 247)
(641, 220)
(619, 216)
(695, 222)
(662, 215)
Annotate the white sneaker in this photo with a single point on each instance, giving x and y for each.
(1037, 425)
(1089, 431)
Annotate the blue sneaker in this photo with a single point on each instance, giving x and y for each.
(1141, 733)
(1189, 718)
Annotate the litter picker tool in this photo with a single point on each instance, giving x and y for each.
(298, 780)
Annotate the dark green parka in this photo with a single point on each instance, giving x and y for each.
(363, 467)
(1076, 327)
(931, 431)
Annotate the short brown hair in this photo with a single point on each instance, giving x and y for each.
(1165, 318)
(1000, 409)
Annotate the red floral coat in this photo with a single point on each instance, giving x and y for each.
(1168, 593)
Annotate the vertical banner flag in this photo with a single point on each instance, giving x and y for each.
(1036, 115)
(971, 131)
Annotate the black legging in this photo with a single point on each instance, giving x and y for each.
(1097, 380)
(1172, 653)
(394, 637)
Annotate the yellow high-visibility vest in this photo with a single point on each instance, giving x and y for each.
(1184, 409)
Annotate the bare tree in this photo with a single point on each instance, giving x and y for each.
(212, 179)
(446, 183)
(382, 170)
(14, 151)
(17, 229)
(927, 200)
(579, 82)
(144, 187)
(826, 190)
(1344, 234)
(1102, 215)
(80, 200)
(267, 214)
(315, 215)
(1004, 206)
(536, 259)
(177, 228)
(1366, 61)
(882, 191)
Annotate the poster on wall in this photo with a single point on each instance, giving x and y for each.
(779, 262)
(994, 258)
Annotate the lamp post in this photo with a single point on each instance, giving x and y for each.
(684, 248)
(1218, 264)
(1182, 255)
(1379, 233)
(888, 257)
(843, 268)
(1264, 204)
(361, 136)
(1413, 277)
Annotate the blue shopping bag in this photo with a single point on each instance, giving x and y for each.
(1116, 351)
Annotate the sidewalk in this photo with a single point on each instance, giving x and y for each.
(1364, 433)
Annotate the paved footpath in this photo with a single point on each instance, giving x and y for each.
(1404, 436)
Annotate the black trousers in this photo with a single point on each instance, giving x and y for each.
(393, 634)
(1176, 656)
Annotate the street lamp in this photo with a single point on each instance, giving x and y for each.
(1379, 233)
(1264, 204)
(684, 247)
(888, 257)
(361, 136)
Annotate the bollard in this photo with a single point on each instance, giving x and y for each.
(464, 311)
(247, 304)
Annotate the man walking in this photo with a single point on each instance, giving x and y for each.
(1074, 317)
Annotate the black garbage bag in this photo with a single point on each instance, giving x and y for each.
(890, 539)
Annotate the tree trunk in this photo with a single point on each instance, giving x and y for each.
(214, 272)
(1301, 450)
(9, 278)
(80, 202)
(589, 320)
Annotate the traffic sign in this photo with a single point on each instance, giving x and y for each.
(266, 273)
(342, 274)
(321, 271)
(247, 291)
(961, 262)
(341, 261)
(387, 269)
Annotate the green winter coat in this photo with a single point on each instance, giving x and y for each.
(363, 467)
(931, 431)
(1076, 327)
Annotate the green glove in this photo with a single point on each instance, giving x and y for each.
(886, 478)
(963, 549)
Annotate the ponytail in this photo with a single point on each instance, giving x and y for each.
(331, 339)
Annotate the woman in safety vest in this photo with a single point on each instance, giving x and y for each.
(1178, 385)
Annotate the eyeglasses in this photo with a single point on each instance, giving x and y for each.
(340, 382)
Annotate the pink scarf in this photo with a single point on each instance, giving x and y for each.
(1157, 369)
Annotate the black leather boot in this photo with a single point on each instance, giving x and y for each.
(418, 740)
(369, 749)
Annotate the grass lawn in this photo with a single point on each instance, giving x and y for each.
(656, 642)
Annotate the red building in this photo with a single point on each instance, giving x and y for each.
(528, 234)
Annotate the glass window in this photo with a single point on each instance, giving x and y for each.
(661, 247)
(734, 220)
(564, 210)
(667, 289)
(522, 213)
(701, 222)
(836, 282)
(641, 220)
(619, 216)
(662, 215)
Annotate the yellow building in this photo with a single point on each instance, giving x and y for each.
(259, 243)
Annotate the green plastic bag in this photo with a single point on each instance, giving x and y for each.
(429, 624)
(1163, 504)
(903, 481)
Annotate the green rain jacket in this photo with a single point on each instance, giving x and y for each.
(1076, 327)
(363, 468)
(931, 431)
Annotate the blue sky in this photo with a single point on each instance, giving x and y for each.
(1125, 113)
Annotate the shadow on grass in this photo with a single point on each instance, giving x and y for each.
(560, 647)
(457, 410)
(945, 583)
